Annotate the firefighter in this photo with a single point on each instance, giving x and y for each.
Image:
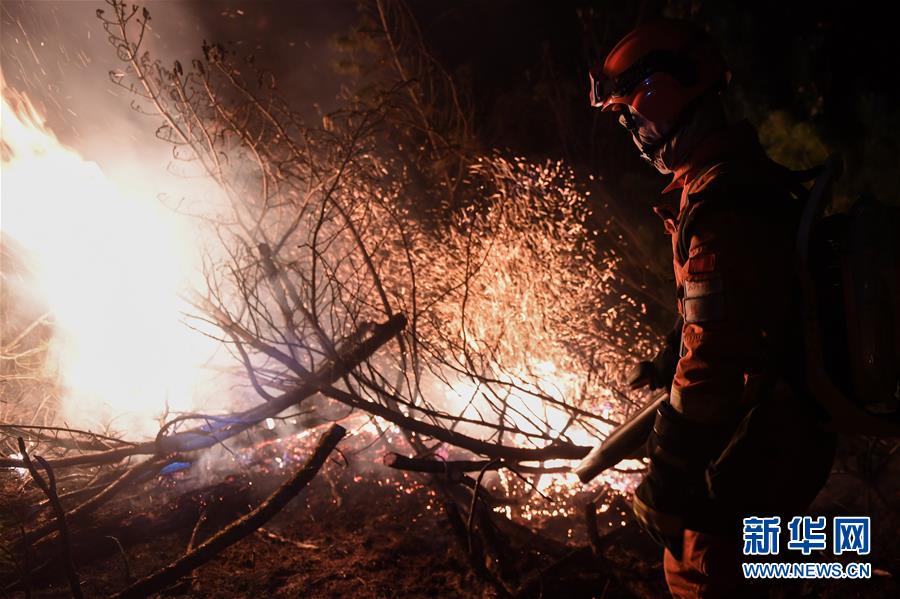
(740, 435)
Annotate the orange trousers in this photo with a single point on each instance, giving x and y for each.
(710, 568)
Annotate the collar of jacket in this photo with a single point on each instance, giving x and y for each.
(733, 139)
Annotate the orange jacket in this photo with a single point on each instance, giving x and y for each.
(740, 372)
(733, 247)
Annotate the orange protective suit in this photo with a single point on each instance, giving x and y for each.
(740, 367)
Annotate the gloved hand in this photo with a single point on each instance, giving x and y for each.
(674, 490)
(644, 374)
(658, 373)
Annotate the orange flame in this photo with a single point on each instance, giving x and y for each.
(110, 265)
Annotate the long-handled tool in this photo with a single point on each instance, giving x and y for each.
(626, 442)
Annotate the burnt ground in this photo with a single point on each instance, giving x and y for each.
(381, 534)
(331, 542)
(350, 534)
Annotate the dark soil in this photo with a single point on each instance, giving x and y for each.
(359, 539)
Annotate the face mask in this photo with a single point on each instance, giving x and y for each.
(647, 136)
(667, 147)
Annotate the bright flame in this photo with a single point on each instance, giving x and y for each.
(528, 409)
(110, 266)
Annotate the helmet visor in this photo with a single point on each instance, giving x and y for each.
(606, 90)
(603, 89)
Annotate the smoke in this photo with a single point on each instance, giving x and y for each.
(57, 52)
(89, 190)
(82, 181)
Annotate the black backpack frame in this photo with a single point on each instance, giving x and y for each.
(849, 270)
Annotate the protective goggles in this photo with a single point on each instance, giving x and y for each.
(604, 89)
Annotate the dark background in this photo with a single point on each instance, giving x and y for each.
(816, 77)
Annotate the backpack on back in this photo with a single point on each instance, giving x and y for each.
(849, 268)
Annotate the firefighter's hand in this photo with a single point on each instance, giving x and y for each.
(658, 372)
(643, 374)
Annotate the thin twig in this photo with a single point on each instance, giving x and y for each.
(473, 505)
(274, 536)
(49, 489)
(455, 467)
(128, 577)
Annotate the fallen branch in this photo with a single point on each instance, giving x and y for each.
(93, 459)
(453, 467)
(224, 428)
(51, 435)
(557, 450)
(49, 489)
(241, 527)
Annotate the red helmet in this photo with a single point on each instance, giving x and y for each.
(659, 69)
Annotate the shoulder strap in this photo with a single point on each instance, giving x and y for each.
(792, 180)
(686, 220)
(683, 245)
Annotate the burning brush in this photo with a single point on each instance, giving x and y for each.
(472, 353)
